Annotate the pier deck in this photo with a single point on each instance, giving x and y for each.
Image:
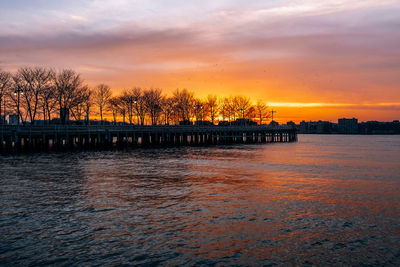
(14, 138)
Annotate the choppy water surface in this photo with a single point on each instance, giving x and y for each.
(326, 200)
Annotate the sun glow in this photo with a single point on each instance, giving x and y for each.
(312, 105)
(308, 59)
(301, 105)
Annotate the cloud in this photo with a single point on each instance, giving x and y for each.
(284, 51)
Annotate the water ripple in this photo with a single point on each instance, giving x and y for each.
(318, 201)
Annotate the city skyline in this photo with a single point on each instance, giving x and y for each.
(308, 60)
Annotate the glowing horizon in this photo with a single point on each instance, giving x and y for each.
(305, 105)
(319, 60)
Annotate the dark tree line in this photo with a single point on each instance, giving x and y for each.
(37, 93)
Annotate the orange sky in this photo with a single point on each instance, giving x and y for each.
(308, 59)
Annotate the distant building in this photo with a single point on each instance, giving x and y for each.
(348, 126)
(291, 124)
(378, 127)
(324, 127)
(13, 119)
(308, 127)
(303, 127)
(316, 127)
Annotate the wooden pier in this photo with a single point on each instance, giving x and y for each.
(27, 138)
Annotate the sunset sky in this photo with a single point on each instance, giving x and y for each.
(307, 59)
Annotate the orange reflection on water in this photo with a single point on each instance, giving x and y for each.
(280, 201)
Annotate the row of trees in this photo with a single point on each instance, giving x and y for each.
(42, 94)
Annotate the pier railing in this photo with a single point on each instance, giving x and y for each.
(97, 136)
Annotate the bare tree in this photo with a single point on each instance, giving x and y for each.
(47, 95)
(122, 108)
(88, 102)
(139, 104)
(36, 91)
(262, 111)
(33, 81)
(82, 105)
(232, 107)
(198, 109)
(69, 91)
(224, 109)
(127, 100)
(212, 107)
(243, 104)
(78, 111)
(114, 104)
(184, 101)
(251, 113)
(102, 95)
(167, 109)
(5, 87)
(153, 101)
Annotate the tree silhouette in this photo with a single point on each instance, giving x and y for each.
(140, 106)
(262, 111)
(114, 104)
(5, 86)
(184, 101)
(153, 100)
(102, 94)
(242, 105)
(42, 92)
(212, 107)
(69, 91)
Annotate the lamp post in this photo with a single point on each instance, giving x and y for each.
(272, 113)
(17, 93)
(242, 110)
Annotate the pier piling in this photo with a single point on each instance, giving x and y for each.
(34, 137)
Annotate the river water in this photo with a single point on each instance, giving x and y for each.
(325, 200)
